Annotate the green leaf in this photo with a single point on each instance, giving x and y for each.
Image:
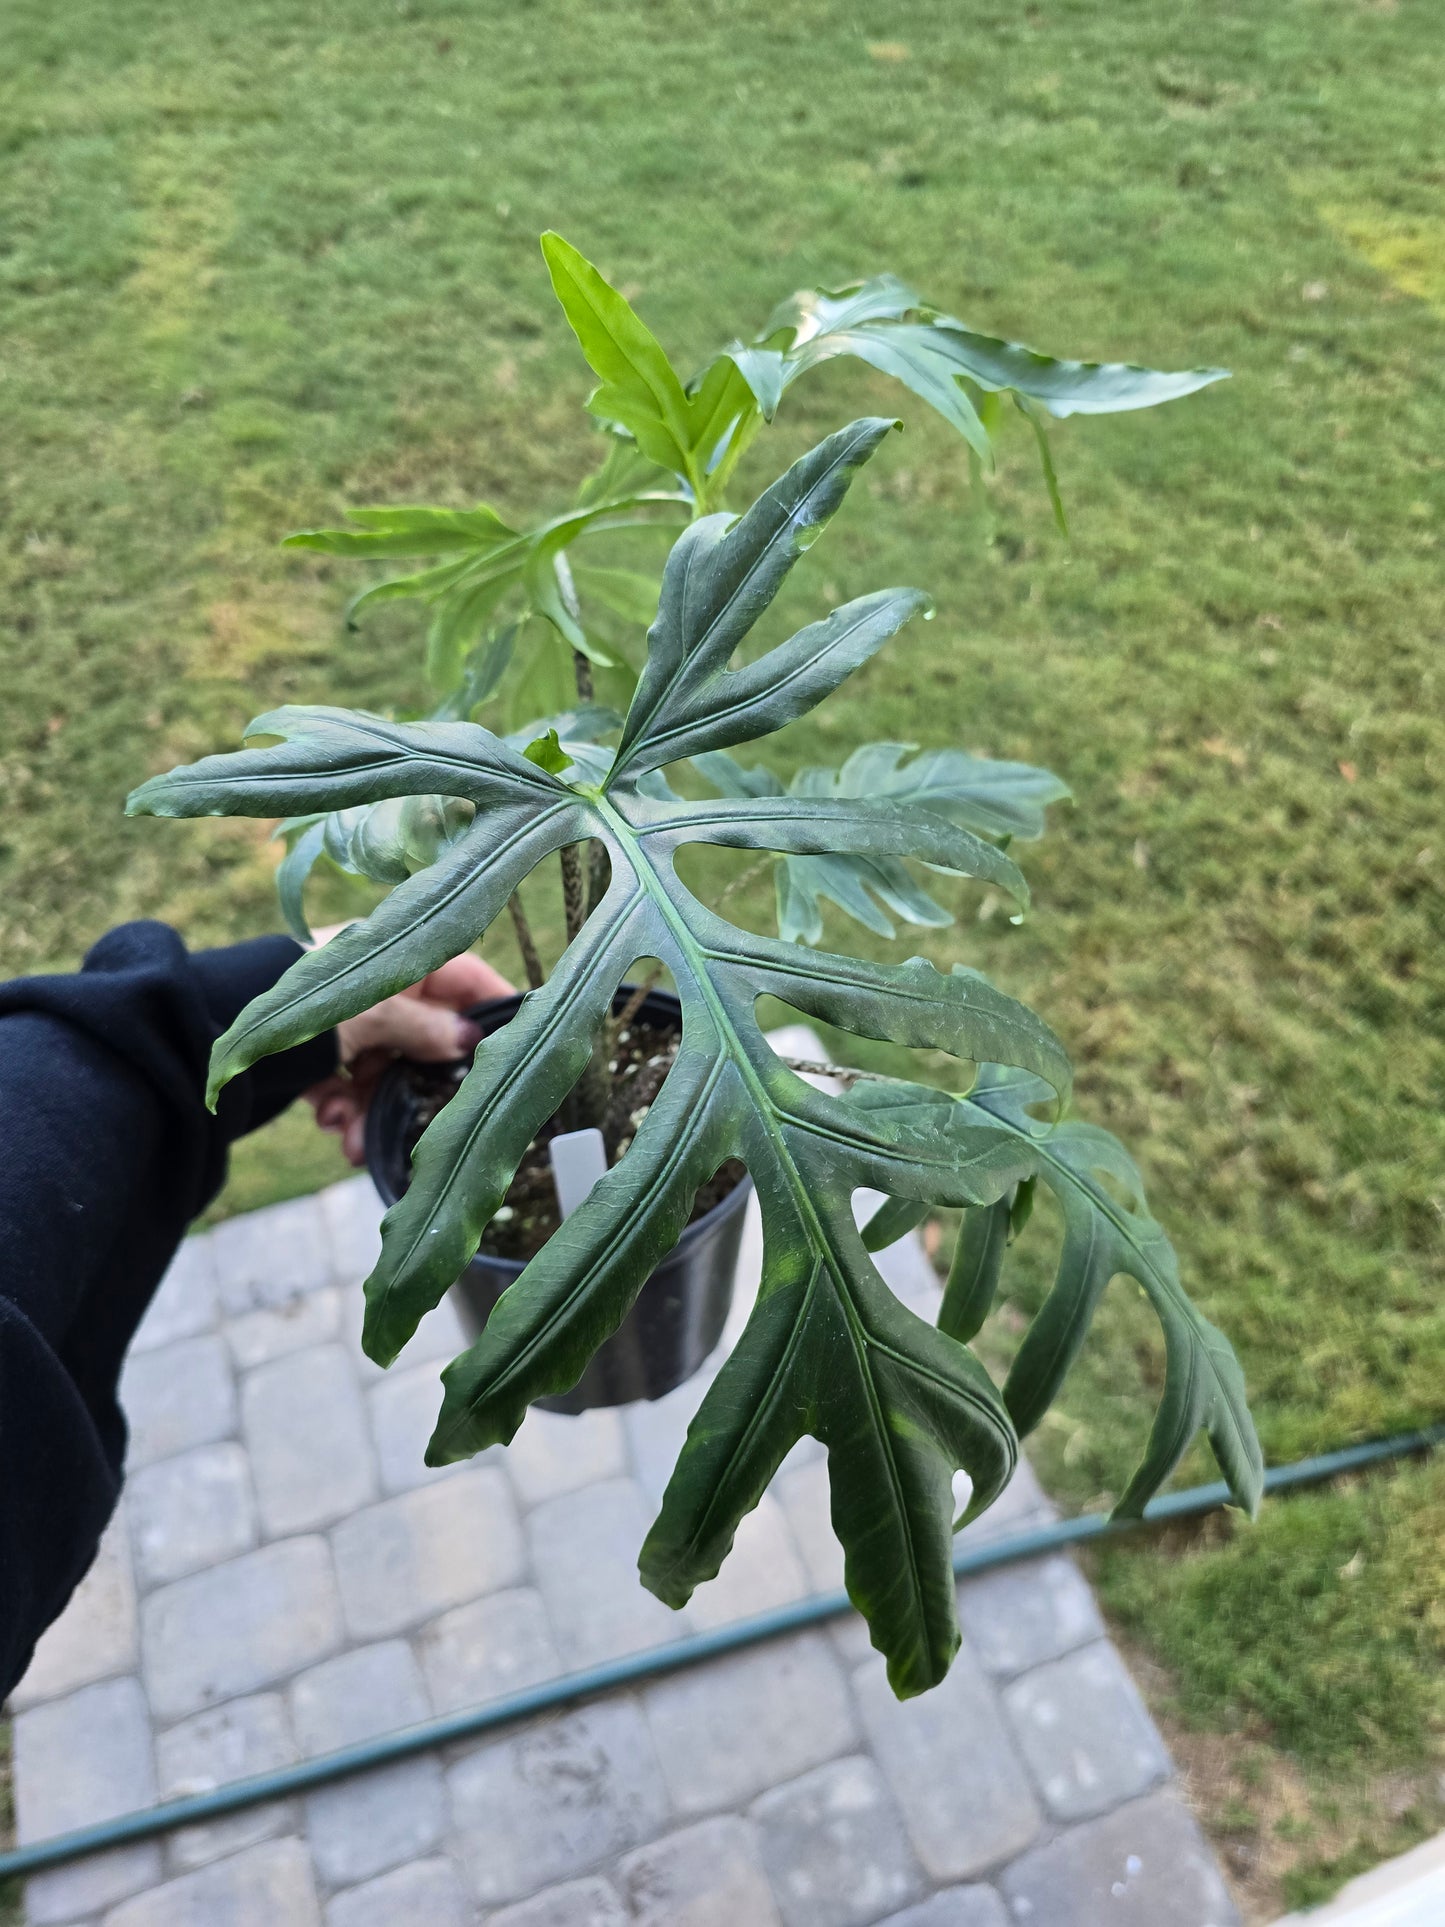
(973, 1274)
(945, 363)
(626, 592)
(482, 671)
(640, 389)
(719, 579)
(819, 311)
(1033, 414)
(1204, 1386)
(409, 531)
(827, 1350)
(911, 353)
(1063, 387)
(982, 793)
(893, 1220)
(305, 838)
(548, 754)
(995, 798)
(763, 369)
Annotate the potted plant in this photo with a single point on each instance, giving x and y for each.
(456, 816)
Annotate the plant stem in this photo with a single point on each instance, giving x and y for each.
(635, 1002)
(744, 878)
(596, 855)
(574, 890)
(526, 942)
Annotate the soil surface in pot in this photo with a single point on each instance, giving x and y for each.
(641, 1058)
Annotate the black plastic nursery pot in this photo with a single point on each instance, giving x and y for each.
(680, 1312)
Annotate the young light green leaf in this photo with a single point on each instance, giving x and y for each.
(409, 531)
(548, 754)
(640, 389)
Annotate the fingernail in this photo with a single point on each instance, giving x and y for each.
(469, 1035)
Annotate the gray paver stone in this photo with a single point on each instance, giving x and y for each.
(947, 1755)
(306, 1432)
(374, 1821)
(259, 1336)
(351, 1212)
(803, 1495)
(191, 1511)
(656, 1429)
(581, 1903)
(69, 1893)
(356, 1696)
(1085, 1732)
(954, 1907)
(1020, 1616)
(77, 1760)
(403, 1407)
(834, 1847)
(584, 1553)
(410, 1558)
(231, 1742)
(709, 1875)
(176, 1397)
(1147, 1865)
(97, 1635)
(552, 1453)
(763, 1570)
(364, 1825)
(185, 1304)
(555, 1799)
(428, 1893)
(239, 1627)
(86, 1757)
(270, 1884)
(269, 1257)
(728, 1730)
(490, 1647)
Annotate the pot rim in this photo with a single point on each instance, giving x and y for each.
(735, 1199)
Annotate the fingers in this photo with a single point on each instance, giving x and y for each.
(423, 1023)
(464, 981)
(411, 1027)
(340, 1109)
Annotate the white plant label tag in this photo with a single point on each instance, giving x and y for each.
(579, 1159)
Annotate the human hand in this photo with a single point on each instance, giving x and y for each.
(423, 1022)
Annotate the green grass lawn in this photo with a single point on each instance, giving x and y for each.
(259, 261)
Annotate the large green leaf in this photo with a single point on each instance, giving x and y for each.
(491, 564)
(947, 364)
(978, 793)
(1103, 1237)
(900, 1405)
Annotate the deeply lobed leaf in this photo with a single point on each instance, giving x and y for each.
(899, 1405)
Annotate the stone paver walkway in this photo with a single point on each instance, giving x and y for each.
(286, 1577)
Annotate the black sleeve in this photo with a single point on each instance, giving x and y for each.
(107, 1153)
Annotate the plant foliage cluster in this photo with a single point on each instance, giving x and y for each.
(455, 816)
